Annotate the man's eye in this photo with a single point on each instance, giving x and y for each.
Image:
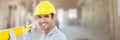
(39, 17)
(46, 16)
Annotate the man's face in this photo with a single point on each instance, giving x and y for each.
(45, 21)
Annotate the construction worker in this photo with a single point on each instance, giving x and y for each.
(45, 14)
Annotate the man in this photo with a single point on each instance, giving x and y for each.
(45, 14)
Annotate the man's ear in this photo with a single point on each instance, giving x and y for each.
(55, 16)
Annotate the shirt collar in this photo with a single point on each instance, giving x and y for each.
(52, 31)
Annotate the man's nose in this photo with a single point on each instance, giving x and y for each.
(42, 20)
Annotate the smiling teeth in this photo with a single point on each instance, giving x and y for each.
(43, 24)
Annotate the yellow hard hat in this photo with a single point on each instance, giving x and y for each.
(44, 7)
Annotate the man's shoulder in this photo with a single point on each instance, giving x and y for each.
(59, 35)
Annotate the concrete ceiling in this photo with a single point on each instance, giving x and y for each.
(65, 3)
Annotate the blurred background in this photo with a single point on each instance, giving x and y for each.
(78, 19)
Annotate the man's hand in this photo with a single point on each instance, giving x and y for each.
(12, 36)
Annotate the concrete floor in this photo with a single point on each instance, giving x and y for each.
(84, 33)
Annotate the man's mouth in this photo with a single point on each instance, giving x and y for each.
(43, 24)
